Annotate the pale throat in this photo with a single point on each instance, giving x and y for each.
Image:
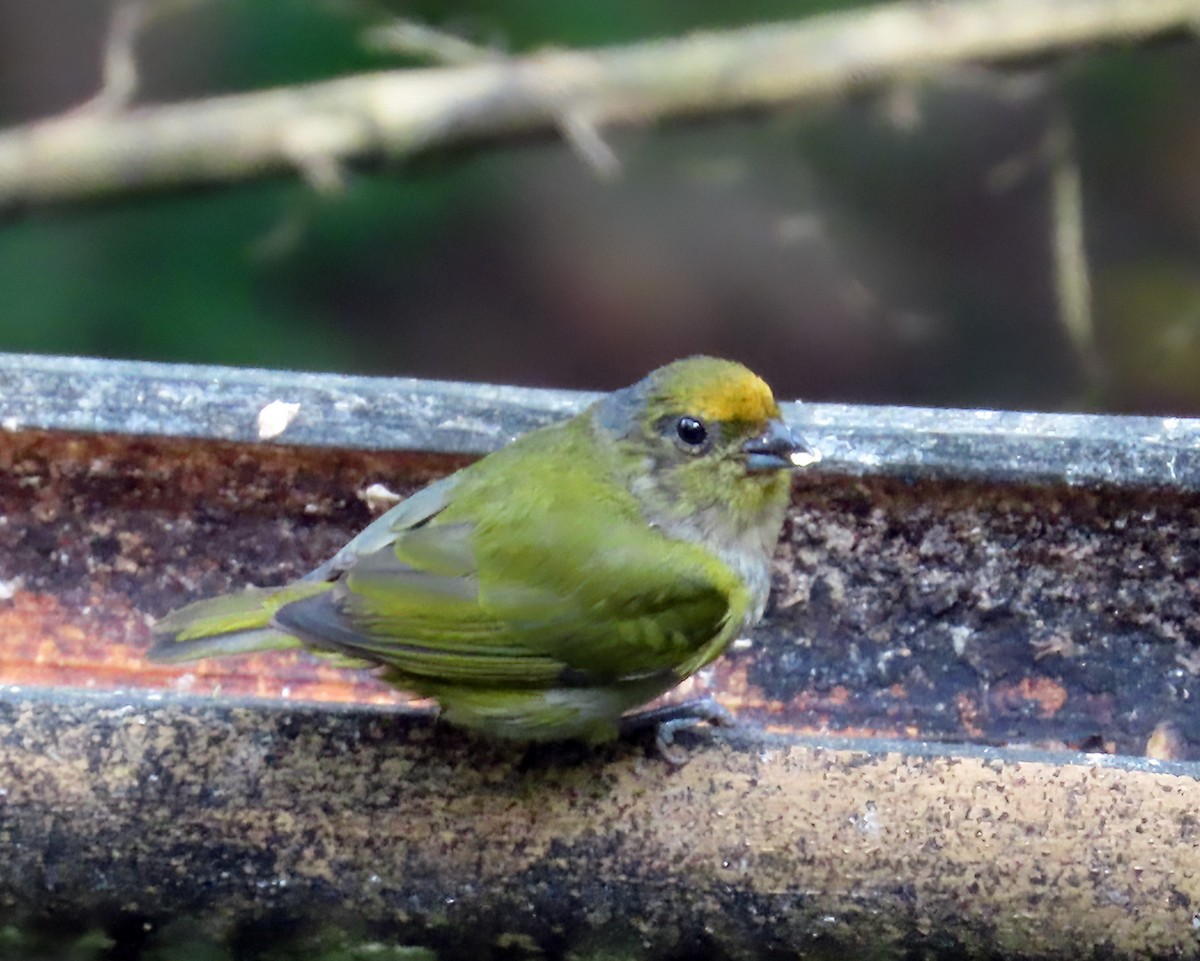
(744, 540)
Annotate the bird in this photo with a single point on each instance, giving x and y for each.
(547, 590)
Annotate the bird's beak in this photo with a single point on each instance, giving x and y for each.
(780, 448)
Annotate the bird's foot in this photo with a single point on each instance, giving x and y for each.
(666, 721)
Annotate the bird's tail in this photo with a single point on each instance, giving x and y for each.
(234, 624)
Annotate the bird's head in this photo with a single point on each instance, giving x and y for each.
(704, 435)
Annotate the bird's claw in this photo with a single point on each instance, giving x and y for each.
(666, 721)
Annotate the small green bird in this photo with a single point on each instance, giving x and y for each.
(545, 590)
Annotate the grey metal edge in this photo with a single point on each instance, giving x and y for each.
(333, 410)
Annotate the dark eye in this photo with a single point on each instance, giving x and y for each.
(691, 431)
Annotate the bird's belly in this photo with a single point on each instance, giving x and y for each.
(552, 714)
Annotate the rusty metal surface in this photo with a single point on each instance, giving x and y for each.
(190, 820)
(998, 614)
(955, 611)
(99, 534)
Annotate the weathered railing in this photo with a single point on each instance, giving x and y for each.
(967, 724)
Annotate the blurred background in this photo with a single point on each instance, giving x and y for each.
(891, 247)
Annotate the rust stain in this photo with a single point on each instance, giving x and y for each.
(1166, 743)
(1046, 696)
(968, 714)
(46, 645)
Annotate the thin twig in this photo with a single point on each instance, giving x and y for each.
(400, 113)
(420, 40)
(119, 72)
(1072, 276)
(584, 138)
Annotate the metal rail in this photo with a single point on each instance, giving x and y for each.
(366, 413)
(949, 576)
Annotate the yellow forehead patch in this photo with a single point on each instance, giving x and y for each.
(722, 390)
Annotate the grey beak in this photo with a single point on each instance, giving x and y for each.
(780, 448)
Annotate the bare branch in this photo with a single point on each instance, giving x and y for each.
(399, 113)
(439, 46)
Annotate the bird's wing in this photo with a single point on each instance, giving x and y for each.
(411, 513)
(633, 603)
(564, 597)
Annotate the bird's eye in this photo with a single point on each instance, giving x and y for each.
(691, 431)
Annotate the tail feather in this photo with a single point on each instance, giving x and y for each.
(234, 624)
